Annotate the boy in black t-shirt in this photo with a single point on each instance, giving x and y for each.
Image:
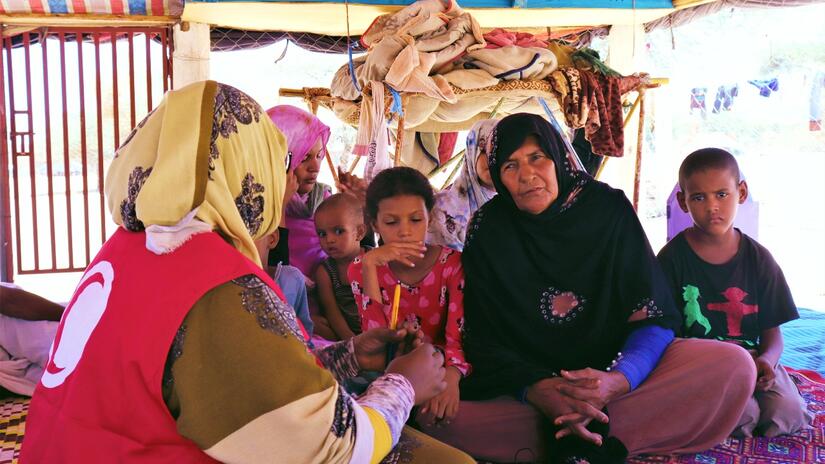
(731, 289)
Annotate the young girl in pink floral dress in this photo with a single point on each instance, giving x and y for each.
(431, 278)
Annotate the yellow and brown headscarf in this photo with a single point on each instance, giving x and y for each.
(210, 149)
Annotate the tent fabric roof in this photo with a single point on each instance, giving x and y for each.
(105, 7)
(329, 17)
(80, 12)
(587, 4)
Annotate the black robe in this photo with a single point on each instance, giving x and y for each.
(586, 258)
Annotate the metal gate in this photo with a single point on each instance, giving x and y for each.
(69, 97)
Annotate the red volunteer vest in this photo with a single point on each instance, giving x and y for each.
(100, 400)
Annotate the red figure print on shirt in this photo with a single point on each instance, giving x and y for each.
(734, 309)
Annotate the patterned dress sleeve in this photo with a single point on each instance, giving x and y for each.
(340, 359)
(373, 313)
(242, 385)
(454, 331)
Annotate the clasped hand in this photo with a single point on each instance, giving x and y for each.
(576, 398)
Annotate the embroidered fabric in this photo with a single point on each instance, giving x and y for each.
(392, 395)
(175, 352)
(128, 212)
(560, 307)
(250, 204)
(402, 453)
(231, 107)
(272, 314)
(344, 418)
(339, 358)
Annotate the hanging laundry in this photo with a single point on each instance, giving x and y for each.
(589, 59)
(815, 121)
(566, 84)
(604, 128)
(724, 97)
(592, 100)
(766, 86)
(697, 99)
(371, 140)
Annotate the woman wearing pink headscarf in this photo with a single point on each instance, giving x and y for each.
(307, 140)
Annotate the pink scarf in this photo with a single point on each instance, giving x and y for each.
(302, 129)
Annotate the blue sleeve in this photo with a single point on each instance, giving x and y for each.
(292, 283)
(641, 352)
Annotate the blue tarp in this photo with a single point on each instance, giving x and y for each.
(805, 341)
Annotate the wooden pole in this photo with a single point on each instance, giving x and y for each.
(454, 171)
(639, 145)
(354, 164)
(399, 135)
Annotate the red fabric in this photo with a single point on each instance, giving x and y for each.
(37, 6)
(446, 146)
(436, 304)
(103, 402)
(117, 7)
(79, 6)
(498, 38)
(157, 8)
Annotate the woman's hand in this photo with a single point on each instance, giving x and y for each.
(352, 185)
(413, 339)
(424, 368)
(403, 252)
(571, 414)
(593, 386)
(371, 346)
(444, 406)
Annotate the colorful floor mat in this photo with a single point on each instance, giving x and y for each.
(12, 426)
(804, 447)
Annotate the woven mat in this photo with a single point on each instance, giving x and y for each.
(13, 413)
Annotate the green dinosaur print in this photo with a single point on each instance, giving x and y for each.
(693, 313)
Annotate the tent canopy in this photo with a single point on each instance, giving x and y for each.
(329, 17)
(81, 12)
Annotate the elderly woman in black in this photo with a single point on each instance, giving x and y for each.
(570, 324)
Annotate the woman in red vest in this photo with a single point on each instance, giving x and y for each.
(176, 346)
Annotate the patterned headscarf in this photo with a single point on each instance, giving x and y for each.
(455, 205)
(206, 154)
(301, 129)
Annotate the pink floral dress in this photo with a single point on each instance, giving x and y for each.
(436, 303)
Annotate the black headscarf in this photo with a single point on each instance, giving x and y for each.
(586, 252)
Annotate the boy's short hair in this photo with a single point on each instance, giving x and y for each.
(341, 201)
(398, 181)
(707, 158)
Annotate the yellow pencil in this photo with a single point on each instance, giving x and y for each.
(395, 303)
